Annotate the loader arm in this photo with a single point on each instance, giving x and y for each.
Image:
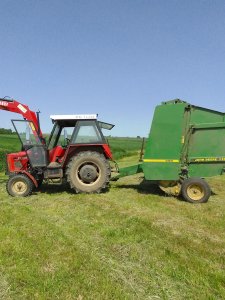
(22, 109)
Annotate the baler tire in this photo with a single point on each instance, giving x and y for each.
(195, 190)
(88, 172)
(19, 185)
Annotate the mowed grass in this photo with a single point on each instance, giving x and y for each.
(132, 242)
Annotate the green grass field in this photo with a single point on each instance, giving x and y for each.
(8, 143)
(121, 147)
(132, 242)
(124, 147)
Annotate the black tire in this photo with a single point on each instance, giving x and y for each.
(195, 190)
(88, 172)
(19, 186)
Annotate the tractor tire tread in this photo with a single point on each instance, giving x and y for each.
(89, 156)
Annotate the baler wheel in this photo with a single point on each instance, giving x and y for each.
(19, 185)
(88, 172)
(172, 188)
(195, 190)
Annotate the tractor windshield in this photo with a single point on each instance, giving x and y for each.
(31, 142)
(26, 132)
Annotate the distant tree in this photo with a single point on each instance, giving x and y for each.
(6, 131)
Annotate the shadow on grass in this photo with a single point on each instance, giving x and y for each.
(143, 188)
(213, 193)
(54, 189)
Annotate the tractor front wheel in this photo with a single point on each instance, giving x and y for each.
(195, 190)
(19, 186)
(88, 172)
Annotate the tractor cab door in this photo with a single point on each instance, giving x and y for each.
(31, 143)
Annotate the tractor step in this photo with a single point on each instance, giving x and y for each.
(54, 181)
(54, 172)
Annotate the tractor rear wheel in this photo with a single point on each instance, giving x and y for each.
(19, 186)
(195, 190)
(88, 172)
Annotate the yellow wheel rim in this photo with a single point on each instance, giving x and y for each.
(195, 192)
(170, 187)
(19, 187)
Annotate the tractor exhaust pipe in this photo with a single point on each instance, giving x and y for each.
(38, 119)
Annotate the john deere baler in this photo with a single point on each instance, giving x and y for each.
(186, 143)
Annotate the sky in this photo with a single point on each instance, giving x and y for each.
(117, 58)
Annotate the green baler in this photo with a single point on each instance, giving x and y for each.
(186, 144)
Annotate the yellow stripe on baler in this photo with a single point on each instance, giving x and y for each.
(162, 160)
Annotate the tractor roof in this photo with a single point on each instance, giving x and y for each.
(74, 117)
(70, 120)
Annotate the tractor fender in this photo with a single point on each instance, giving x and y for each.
(76, 149)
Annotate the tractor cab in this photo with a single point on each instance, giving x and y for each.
(71, 133)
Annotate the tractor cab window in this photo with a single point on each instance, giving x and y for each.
(54, 136)
(65, 136)
(26, 132)
(60, 136)
(87, 132)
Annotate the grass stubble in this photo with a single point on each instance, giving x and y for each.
(132, 242)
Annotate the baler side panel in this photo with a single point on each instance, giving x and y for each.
(204, 115)
(164, 147)
(207, 152)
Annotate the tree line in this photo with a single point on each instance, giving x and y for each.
(6, 131)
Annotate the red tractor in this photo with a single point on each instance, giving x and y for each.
(76, 151)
